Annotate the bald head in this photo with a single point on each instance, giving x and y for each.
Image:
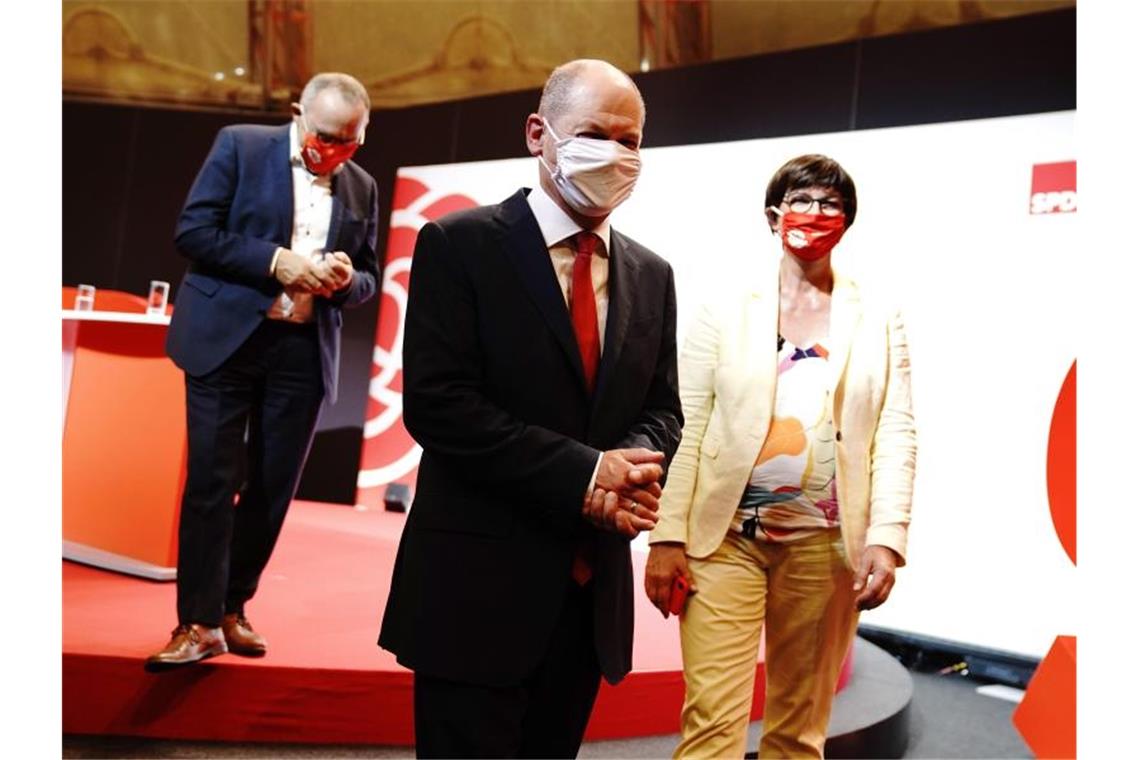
(585, 78)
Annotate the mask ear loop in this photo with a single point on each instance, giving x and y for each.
(546, 126)
(299, 113)
(304, 119)
(550, 129)
(779, 216)
(545, 165)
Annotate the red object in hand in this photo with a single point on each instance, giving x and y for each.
(678, 595)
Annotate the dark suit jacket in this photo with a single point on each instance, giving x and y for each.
(240, 209)
(495, 393)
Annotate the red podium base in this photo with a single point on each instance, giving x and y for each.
(324, 679)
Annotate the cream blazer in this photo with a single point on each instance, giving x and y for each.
(728, 380)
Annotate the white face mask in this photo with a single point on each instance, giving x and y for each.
(592, 176)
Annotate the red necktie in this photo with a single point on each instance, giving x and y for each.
(582, 570)
(584, 309)
(584, 316)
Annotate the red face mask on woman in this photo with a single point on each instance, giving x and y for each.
(811, 236)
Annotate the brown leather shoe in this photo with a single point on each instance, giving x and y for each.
(240, 636)
(188, 643)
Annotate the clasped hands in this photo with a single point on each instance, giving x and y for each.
(320, 277)
(626, 491)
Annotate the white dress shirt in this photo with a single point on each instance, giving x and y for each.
(558, 231)
(312, 215)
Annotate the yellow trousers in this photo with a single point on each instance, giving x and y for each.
(801, 593)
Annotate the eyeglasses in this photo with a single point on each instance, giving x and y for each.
(327, 139)
(801, 203)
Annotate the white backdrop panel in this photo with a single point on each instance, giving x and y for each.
(943, 226)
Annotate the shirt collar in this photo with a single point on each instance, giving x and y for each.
(294, 146)
(556, 225)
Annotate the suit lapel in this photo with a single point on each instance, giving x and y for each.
(623, 273)
(281, 176)
(763, 328)
(527, 252)
(338, 210)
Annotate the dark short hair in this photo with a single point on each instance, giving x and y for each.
(813, 170)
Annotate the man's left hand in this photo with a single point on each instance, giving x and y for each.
(340, 265)
(879, 563)
(611, 511)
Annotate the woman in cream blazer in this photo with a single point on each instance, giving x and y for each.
(788, 501)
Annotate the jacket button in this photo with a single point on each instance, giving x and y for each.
(838, 436)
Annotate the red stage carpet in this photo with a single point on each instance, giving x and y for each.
(324, 679)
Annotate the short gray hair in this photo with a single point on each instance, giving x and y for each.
(559, 91)
(348, 86)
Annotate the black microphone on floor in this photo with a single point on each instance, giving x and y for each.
(397, 497)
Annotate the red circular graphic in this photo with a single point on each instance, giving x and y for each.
(389, 453)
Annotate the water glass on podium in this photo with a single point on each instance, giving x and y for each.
(85, 298)
(156, 298)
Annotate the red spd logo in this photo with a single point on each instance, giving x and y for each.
(1054, 189)
(389, 453)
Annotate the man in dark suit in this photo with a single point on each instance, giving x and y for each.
(280, 231)
(540, 378)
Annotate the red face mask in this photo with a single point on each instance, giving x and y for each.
(322, 158)
(811, 236)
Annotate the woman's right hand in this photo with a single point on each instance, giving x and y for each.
(666, 562)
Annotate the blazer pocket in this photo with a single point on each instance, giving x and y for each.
(486, 530)
(350, 232)
(710, 445)
(207, 286)
(469, 519)
(644, 323)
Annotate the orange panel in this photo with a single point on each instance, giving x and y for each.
(124, 443)
(1047, 715)
(1061, 465)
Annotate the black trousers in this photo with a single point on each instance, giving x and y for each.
(545, 716)
(253, 416)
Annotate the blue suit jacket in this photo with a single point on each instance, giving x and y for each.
(239, 210)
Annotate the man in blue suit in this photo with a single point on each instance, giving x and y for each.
(280, 231)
